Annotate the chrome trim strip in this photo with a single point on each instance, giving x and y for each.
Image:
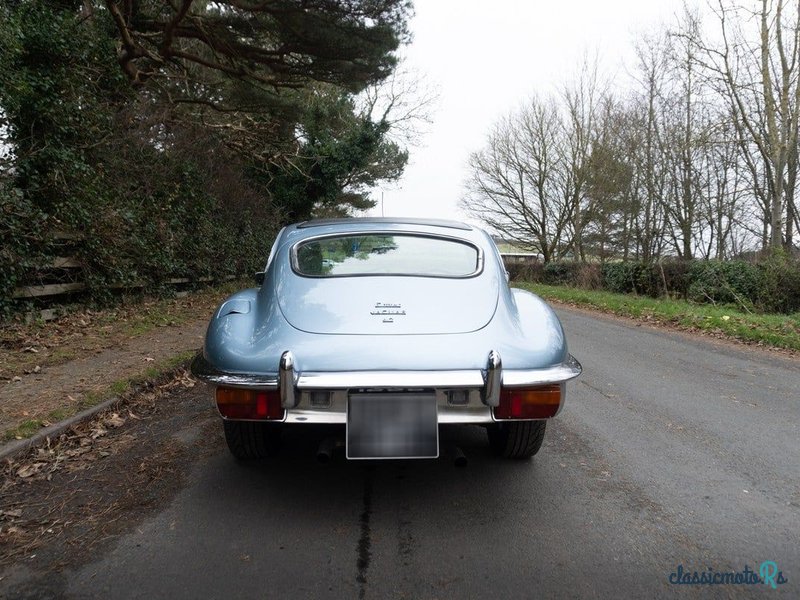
(449, 417)
(475, 412)
(493, 381)
(287, 380)
(304, 415)
(569, 369)
(294, 262)
(389, 379)
(474, 415)
(204, 371)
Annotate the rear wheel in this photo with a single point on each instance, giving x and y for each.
(250, 441)
(520, 439)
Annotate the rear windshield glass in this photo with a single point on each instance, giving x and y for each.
(382, 254)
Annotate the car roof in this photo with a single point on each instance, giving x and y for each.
(386, 221)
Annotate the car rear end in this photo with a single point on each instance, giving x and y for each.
(389, 330)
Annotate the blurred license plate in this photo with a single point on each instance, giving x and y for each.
(392, 426)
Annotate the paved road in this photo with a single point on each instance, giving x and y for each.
(672, 450)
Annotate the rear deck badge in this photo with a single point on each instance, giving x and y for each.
(388, 311)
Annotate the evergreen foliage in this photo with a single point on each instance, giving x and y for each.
(175, 138)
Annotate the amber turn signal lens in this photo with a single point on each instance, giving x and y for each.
(236, 403)
(529, 403)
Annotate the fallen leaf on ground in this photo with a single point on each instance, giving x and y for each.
(29, 470)
(77, 451)
(98, 431)
(114, 421)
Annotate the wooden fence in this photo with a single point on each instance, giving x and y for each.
(62, 278)
(69, 267)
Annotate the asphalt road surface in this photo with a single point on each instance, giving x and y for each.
(672, 451)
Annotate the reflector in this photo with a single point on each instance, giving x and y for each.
(237, 403)
(529, 403)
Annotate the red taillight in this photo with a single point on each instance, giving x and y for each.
(236, 403)
(529, 403)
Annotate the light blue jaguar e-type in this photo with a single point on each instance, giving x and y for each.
(388, 327)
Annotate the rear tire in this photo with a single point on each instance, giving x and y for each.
(251, 441)
(519, 440)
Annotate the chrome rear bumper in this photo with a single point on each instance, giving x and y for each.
(482, 386)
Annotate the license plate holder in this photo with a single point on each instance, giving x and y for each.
(392, 425)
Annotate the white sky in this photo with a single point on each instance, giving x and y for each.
(486, 57)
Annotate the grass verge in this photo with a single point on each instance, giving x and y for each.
(24, 346)
(778, 331)
(120, 388)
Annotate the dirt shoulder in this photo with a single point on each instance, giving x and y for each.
(51, 371)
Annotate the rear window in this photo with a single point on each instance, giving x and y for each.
(385, 254)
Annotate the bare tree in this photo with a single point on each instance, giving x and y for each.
(650, 180)
(404, 102)
(582, 99)
(757, 63)
(699, 159)
(519, 182)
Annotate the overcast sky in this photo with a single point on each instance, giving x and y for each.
(486, 58)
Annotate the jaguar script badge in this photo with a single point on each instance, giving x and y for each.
(388, 311)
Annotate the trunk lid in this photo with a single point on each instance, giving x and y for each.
(381, 305)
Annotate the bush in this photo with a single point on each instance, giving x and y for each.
(631, 278)
(527, 271)
(675, 277)
(779, 291)
(724, 282)
(21, 246)
(589, 277)
(772, 286)
(560, 273)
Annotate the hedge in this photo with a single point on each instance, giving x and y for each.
(769, 286)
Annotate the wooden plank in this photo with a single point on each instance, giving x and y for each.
(53, 289)
(65, 262)
(127, 286)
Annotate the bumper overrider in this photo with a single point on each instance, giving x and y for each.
(474, 396)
